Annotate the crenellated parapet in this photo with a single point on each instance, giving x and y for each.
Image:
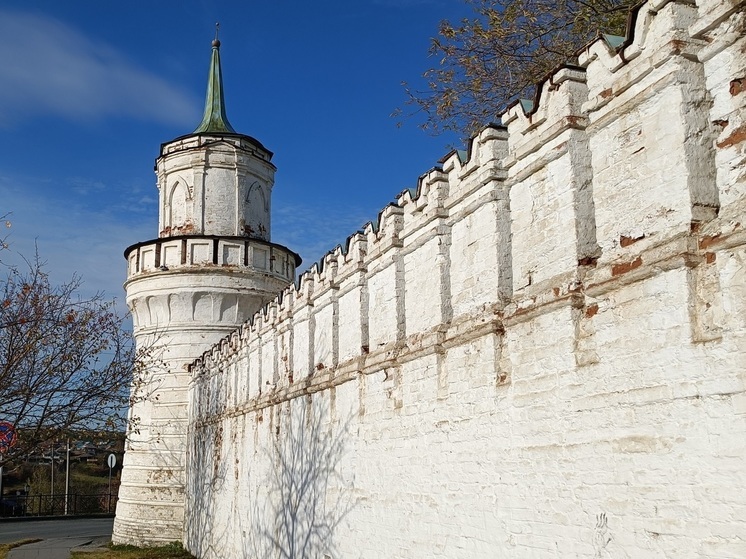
(613, 158)
(536, 351)
(650, 133)
(550, 179)
(191, 252)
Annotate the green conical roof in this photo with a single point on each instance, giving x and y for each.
(214, 119)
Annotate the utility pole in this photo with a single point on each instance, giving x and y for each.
(67, 476)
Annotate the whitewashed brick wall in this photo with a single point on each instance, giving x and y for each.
(542, 353)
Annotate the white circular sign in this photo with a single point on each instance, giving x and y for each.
(112, 460)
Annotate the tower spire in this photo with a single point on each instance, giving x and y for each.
(214, 119)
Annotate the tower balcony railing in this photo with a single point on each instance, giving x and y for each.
(200, 251)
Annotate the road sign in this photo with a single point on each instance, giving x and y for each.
(8, 436)
(112, 460)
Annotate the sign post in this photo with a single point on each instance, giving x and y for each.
(112, 461)
(67, 476)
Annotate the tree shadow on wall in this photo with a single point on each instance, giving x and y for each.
(205, 487)
(296, 514)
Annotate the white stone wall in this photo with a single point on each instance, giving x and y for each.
(539, 354)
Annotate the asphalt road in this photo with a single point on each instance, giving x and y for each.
(58, 536)
(11, 531)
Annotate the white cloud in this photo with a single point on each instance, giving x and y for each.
(71, 239)
(47, 66)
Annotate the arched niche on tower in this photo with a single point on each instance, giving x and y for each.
(177, 212)
(256, 211)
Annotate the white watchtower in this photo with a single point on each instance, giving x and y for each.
(211, 267)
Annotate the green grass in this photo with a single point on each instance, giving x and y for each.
(87, 479)
(6, 547)
(170, 551)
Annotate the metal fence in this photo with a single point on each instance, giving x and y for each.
(57, 505)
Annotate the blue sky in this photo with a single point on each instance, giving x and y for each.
(90, 89)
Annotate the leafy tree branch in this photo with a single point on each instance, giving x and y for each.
(487, 61)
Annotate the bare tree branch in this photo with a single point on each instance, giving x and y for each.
(66, 363)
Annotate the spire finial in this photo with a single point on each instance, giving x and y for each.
(214, 119)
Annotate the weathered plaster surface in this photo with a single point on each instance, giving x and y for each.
(540, 354)
(187, 289)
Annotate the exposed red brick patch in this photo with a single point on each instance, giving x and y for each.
(606, 93)
(736, 137)
(708, 241)
(556, 291)
(619, 269)
(320, 367)
(626, 241)
(186, 229)
(591, 311)
(588, 261)
(737, 86)
(694, 226)
(710, 257)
